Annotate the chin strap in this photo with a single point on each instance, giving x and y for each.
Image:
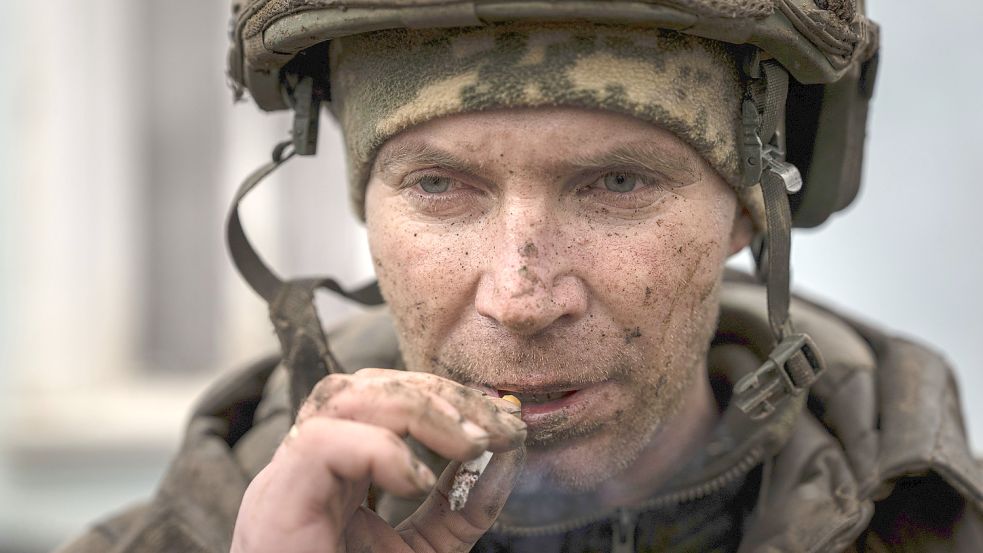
(794, 364)
(306, 354)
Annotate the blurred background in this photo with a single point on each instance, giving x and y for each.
(120, 148)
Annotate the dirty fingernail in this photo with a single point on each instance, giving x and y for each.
(514, 422)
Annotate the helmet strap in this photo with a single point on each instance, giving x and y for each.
(304, 345)
(303, 97)
(794, 364)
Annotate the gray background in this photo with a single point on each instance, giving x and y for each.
(118, 151)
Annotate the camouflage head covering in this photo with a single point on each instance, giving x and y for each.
(387, 81)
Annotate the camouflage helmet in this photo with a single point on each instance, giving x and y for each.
(828, 47)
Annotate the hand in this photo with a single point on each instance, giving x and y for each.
(348, 435)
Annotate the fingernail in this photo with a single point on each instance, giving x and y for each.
(475, 432)
(515, 422)
(425, 477)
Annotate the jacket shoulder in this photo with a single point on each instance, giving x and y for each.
(929, 486)
(884, 428)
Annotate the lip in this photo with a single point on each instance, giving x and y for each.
(575, 401)
(545, 414)
(499, 390)
(532, 410)
(483, 388)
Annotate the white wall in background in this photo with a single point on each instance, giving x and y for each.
(98, 106)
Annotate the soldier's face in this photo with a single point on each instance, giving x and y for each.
(570, 257)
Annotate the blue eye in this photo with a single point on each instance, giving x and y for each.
(435, 185)
(620, 182)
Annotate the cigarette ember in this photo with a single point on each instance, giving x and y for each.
(469, 473)
(465, 479)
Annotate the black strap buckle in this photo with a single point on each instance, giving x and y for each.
(792, 367)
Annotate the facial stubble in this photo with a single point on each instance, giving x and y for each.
(655, 380)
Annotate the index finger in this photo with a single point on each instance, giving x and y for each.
(495, 415)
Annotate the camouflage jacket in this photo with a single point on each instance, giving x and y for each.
(876, 460)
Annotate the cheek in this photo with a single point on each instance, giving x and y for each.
(652, 274)
(426, 277)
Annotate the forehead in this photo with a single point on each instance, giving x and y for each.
(546, 138)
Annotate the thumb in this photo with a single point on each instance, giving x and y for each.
(436, 527)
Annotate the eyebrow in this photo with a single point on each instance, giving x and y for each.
(644, 156)
(641, 155)
(421, 153)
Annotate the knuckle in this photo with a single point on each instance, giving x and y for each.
(395, 387)
(366, 372)
(324, 392)
(331, 384)
(461, 394)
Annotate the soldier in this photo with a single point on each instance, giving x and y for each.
(551, 190)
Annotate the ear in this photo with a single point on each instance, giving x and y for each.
(742, 232)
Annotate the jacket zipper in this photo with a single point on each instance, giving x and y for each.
(622, 517)
(623, 532)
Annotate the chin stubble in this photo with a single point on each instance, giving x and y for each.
(657, 389)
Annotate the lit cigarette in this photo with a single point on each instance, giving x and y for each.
(469, 473)
(465, 479)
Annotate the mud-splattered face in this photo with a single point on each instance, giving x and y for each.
(571, 257)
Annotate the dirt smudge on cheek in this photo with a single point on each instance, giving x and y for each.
(660, 384)
(696, 260)
(420, 315)
(708, 291)
(529, 250)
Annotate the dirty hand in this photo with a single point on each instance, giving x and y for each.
(348, 435)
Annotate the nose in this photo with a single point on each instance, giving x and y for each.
(528, 282)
